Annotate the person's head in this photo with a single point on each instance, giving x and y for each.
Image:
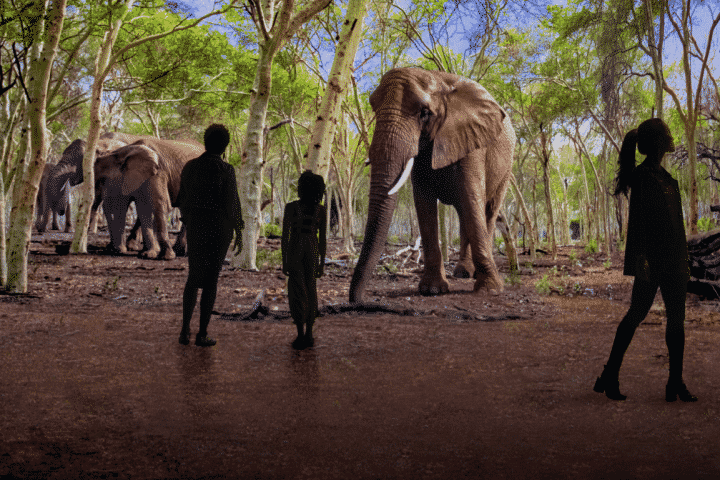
(216, 138)
(651, 138)
(654, 137)
(311, 188)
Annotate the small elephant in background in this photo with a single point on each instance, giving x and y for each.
(148, 172)
(47, 209)
(54, 194)
(456, 143)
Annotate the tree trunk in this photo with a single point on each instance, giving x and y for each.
(3, 241)
(252, 158)
(87, 188)
(45, 37)
(322, 138)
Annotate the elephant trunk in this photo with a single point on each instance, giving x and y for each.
(394, 144)
(380, 212)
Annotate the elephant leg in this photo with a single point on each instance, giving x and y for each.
(433, 280)
(151, 249)
(465, 267)
(145, 217)
(115, 210)
(477, 210)
(180, 247)
(94, 215)
(134, 239)
(55, 225)
(161, 211)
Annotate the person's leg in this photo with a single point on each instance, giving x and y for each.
(673, 293)
(207, 302)
(189, 300)
(641, 300)
(312, 306)
(297, 298)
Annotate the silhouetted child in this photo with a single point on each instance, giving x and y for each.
(210, 208)
(303, 254)
(656, 254)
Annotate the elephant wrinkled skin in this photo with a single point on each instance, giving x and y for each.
(148, 172)
(462, 143)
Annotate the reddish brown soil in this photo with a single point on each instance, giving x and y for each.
(95, 385)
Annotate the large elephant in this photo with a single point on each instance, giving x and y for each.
(68, 172)
(451, 136)
(45, 209)
(148, 172)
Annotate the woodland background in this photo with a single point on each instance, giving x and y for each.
(574, 78)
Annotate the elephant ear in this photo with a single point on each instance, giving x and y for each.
(140, 163)
(472, 119)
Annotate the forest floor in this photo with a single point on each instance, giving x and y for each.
(95, 385)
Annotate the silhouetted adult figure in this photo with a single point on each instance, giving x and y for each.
(303, 254)
(656, 254)
(210, 207)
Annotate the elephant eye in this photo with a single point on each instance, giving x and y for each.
(425, 114)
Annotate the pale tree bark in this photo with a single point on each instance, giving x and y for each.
(526, 215)
(45, 37)
(87, 188)
(104, 62)
(346, 184)
(283, 23)
(689, 116)
(318, 154)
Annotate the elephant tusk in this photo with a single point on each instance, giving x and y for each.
(403, 177)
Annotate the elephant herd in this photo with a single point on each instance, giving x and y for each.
(445, 132)
(128, 168)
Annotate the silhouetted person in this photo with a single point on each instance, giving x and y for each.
(210, 207)
(303, 254)
(656, 254)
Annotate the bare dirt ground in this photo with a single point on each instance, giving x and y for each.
(95, 385)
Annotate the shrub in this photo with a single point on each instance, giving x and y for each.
(591, 247)
(514, 278)
(268, 258)
(543, 285)
(705, 224)
(272, 230)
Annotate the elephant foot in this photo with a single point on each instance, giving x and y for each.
(134, 244)
(433, 286)
(463, 271)
(113, 250)
(149, 254)
(491, 283)
(167, 254)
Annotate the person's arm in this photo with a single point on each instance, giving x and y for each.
(235, 213)
(285, 241)
(322, 246)
(182, 193)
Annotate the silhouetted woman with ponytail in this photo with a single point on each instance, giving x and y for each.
(656, 254)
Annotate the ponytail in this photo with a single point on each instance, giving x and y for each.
(626, 163)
